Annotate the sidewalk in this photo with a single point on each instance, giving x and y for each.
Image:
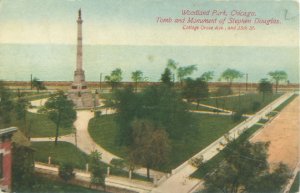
(113, 181)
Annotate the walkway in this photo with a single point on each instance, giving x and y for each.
(84, 141)
(86, 144)
(226, 96)
(212, 107)
(113, 181)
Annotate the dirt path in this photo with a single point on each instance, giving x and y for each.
(283, 133)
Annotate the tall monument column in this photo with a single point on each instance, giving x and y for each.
(79, 42)
(79, 78)
(79, 92)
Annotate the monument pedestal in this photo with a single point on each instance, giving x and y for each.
(83, 99)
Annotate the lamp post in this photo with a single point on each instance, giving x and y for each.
(100, 82)
(246, 81)
(30, 81)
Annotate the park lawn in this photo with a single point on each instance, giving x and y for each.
(104, 131)
(207, 129)
(41, 126)
(61, 153)
(47, 185)
(243, 102)
(295, 185)
(66, 152)
(30, 96)
(106, 95)
(36, 125)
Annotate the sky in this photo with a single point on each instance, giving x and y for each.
(116, 23)
(133, 22)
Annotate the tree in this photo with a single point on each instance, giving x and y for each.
(66, 171)
(278, 76)
(151, 145)
(207, 76)
(127, 106)
(115, 78)
(172, 65)
(223, 91)
(183, 72)
(195, 90)
(22, 163)
(137, 76)
(97, 173)
(264, 87)
(166, 77)
(60, 110)
(118, 163)
(39, 85)
(21, 106)
(245, 169)
(163, 105)
(6, 105)
(230, 74)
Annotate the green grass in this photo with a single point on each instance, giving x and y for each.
(272, 114)
(47, 185)
(213, 163)
(30, 96)
(61, 153)
(244, 102)
(15, 93)
(295, 185)
(208, 128)
(285, 103)
(106, 95)
(66, 152)
(36, 125)
(104, 131)
(41, 126)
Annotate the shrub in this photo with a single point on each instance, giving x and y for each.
(97, 173)
(197, 161)
(237, 116)
(224, 90)
(65, 171)
(256, 106)
(117, 163)
(97, 113)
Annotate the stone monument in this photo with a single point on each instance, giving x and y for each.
(79, 92)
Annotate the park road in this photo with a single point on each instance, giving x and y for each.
(283, 133)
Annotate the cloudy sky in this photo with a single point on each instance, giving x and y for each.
(133, 22)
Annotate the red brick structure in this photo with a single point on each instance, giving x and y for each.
(5, 158)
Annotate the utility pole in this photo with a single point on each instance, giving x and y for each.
(30, 81)
(246, 81)
(100, 82)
